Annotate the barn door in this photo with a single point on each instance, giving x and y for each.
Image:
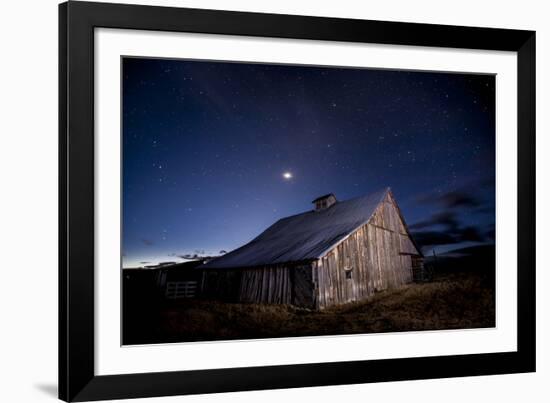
(418, 268)
(350, 284)
(302, 286)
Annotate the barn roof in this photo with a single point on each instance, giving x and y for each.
(302, 237)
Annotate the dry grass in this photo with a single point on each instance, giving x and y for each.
(451, 301)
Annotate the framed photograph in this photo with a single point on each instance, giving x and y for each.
(257, 201)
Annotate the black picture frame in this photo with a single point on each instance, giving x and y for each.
(77, 21)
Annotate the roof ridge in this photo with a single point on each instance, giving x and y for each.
(383, 192)
(303, 236)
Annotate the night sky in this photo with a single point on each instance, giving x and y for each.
(214, 153)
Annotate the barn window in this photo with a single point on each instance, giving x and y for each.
(348, 271)
(324, 202)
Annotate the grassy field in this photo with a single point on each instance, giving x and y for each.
(453, 300)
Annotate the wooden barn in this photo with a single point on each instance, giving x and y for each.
(340, 252)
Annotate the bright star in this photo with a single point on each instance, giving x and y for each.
(287, 175)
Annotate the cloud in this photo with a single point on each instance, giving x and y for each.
(447, 219)
(450, 231)
(187, 256)
(431, 238)
(458, 199)
(471, 234)
(451, 199)
(471, 195)
(446, 227)
(457, 235)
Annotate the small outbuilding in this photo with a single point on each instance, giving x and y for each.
(339, 252)
(180, 280)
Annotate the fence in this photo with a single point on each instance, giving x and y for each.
(421, 272)
(181, 289)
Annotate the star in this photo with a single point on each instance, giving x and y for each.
(287, 175)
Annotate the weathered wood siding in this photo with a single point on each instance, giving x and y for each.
(303, 286)
(268, 285)
(377, 256)
(221, 285)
